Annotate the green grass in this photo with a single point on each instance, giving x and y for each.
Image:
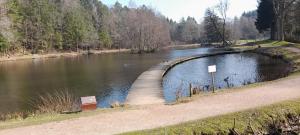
(270, 43)
(245, 41)
(223, 123)
(267, 43)
(277, 49)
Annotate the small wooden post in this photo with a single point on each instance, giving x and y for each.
(191, 90)
(212, 69)
(234, 123)
(213, 82)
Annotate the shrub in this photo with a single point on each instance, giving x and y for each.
(15, 115)
(3, 43)
(58, 102)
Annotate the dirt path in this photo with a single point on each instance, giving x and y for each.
(160, 115)
(293, 49)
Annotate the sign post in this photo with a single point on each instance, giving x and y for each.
(212, 69)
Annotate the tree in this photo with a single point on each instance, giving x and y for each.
(247, 25)
(272, 14)
(212, 27)
(75, 29)
(140, 29)
(280, 8)
(44, 25)
(223, 7)
(186, 31)
(3, 43)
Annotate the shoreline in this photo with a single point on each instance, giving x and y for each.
(74, 54)
(182, 47)
(272, 86)
(59, 54)
(96, 122)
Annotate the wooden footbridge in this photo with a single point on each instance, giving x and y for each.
(147, 89)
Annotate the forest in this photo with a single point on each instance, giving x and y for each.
(42, 26)
(280, 18)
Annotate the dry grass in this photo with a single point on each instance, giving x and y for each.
(15, 116)
(117, 104)
(58, 102)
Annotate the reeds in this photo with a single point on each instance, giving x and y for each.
(58, 102)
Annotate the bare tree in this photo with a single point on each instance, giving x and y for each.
(223, 7)
(141, 29)
(280, 8)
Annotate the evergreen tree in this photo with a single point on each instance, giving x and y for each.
(212, 27)
(265, 16)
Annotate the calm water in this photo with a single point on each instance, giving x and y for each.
(107, 76)
(233, 70)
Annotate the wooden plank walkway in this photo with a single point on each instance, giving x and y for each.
(147, 89)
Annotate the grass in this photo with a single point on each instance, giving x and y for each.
(222, 123)
(277, 49)
(61, 101)
(52, 117)
(58, 102)
(272, 43)
(239, 42)
(268, 43)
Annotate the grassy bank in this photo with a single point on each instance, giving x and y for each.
(52, 117)
(222, 124)
(181, 47)
(278, 49)
(285, 50)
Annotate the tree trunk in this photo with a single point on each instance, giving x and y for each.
(77, 48)
(224, 23)
(273, 31)
(281, 32)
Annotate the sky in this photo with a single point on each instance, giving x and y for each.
(176, 9)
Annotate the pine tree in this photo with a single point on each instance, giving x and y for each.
(265, 17)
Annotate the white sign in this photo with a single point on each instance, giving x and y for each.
(212, 69)
(88, 100)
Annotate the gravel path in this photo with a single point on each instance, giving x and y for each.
(160, 115)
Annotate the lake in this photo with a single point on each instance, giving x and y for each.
(233, 70)
(107, 76)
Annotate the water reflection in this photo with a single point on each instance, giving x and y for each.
(108, 76)
(233, 70)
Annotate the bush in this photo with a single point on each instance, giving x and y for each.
(3, 43)
(58, 102)
(15, 116)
